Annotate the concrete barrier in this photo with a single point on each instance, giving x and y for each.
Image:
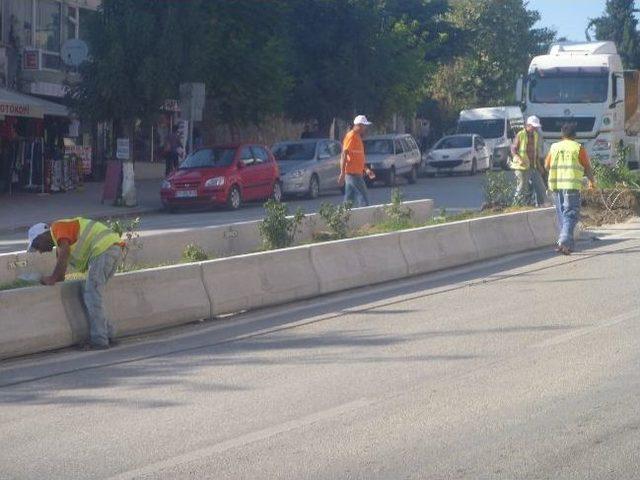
(502, 234)
(13, 265)
(261, 279)
(156, 298)
(429, 249)
(358, 262)
(44, 318)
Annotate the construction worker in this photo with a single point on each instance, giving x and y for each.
(567, 164)
(86, 245)
(528, 164)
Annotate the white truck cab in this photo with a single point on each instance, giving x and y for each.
(583, 83)
(497, 125)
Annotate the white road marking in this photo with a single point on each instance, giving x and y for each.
(245, 439)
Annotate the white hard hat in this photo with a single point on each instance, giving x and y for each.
(534, 121)
(34, 232)
(361, 120)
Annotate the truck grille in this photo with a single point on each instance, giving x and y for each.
(554, 124)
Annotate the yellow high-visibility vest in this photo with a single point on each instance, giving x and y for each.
(94, 238)
(565, 171)
(524, 162)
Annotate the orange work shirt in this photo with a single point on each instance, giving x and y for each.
(354, 148)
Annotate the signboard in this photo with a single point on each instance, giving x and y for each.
(112, 181)
(84, 154)
(122, 149)
(31, 59)
(170, 105)
(20, 110)
(74, 52)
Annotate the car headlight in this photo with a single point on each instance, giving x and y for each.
(296, 174)
(166, 185)
(214, 182)
(602, 144)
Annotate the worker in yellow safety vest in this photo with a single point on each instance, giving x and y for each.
(86, 245)
(527, 164)
(567, 164)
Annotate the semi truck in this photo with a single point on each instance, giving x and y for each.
(585, 84)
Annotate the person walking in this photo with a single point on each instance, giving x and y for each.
(352, 164)
(527, 151)
(86, 245)
(171, 157)
(567, 164)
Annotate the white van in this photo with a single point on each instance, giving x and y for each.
(497, 125)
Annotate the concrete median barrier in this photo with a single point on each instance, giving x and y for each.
(261, 279)
(438, 247)
(543, 225)
(156, 298)
(13, 265)
(358, 262)
(502, 234)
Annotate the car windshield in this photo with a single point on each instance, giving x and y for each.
(378, 147)
(491, 128)
(209, 157)
(569, 89)
(295, 151)
(453, 142)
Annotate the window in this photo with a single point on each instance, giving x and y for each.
(324, 151)
(72, 28)
(479, 143)
(335, 148)
(246, 156)
(209, 157)
(84, 19)
(260, 154)
(399, 147)
(294, 151)
(569, 87)
(461, 141)
(378, 147)
(489, 128)
(406, 144)
(47, 32)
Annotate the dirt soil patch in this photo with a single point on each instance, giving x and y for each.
(607, 207)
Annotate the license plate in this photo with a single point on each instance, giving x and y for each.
(186, 193)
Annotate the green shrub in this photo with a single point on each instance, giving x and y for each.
(398, 214)
(194, 253)
(278, 229)
(617, 175)
(129, 232)
(499, 189)
(337, 218)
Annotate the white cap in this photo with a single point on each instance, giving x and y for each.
(534, 121)
(361, 120)
(34, 232)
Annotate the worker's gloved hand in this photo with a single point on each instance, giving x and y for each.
(48, 280)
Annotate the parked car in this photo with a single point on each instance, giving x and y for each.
(458, 154)
(497, 126)
(223, 175)
(309, 166)
(392, 155)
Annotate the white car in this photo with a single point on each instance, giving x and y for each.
(390, 156)
(458, 154)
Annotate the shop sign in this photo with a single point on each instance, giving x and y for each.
(171, 105)
(20, 110)
(31, 59)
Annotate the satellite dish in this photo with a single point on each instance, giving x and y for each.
(74, 52)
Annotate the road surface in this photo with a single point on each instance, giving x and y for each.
(523, 368)
(453, 193)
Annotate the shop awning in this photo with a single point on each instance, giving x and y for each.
(16, 104)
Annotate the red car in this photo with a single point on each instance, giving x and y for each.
(223, 175)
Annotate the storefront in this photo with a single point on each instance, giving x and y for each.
(32, 146)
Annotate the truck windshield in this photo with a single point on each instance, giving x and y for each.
(574, 88)
(493, 128)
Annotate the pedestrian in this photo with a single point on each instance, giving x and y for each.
(567, 164)
(170, 151)
(353, 166)
(86, 245)
(528, 157)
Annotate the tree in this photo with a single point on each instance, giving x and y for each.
(620, 25)
(500, 40)
(369, 56)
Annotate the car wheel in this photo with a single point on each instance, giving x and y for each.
(474, 168)
(276, 194)
(391, 177)
(314, 187)
(413, 176)
(234, 199)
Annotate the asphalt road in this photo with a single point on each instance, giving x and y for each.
(525, 368)
(452, 193)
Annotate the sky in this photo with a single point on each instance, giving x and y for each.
(568, 17)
